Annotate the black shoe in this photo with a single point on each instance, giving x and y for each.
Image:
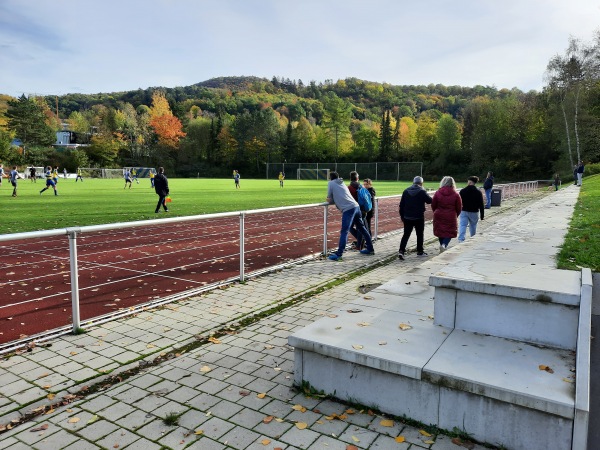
(401, 256)
(422, 254)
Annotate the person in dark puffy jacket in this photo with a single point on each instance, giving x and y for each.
(446, 206)
(412, 214)
(161, 186)
(472, 208)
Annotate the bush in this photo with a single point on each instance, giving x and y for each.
(592, 169)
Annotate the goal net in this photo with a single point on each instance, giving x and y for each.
(99, 172)
(313, 174)
(39, 172)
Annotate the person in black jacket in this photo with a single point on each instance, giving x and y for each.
(487, 186)
(412, 214)
(161, 186)
(472, 208)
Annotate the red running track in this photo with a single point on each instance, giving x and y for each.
(123, 268)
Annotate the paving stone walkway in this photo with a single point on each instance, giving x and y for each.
(218, 364)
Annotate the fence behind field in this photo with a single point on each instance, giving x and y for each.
(66, 279)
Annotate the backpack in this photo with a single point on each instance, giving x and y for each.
(364, 199)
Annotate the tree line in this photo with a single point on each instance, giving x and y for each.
(244, 122)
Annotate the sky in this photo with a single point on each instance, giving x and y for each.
(101, 46)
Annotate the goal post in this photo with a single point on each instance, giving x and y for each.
(100, 172)
(313, 174)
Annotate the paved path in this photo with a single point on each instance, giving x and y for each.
(219, 362)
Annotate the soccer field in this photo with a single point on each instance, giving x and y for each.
(98, 201)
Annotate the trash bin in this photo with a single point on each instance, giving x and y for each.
(496, 197)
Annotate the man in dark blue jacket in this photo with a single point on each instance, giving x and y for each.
(412, 214)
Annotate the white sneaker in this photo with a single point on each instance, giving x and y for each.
(442, 248)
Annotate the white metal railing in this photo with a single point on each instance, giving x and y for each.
(72, 233)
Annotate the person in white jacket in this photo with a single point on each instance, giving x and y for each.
(339, 195)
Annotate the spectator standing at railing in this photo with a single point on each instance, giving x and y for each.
(487, 187)
(368, 184)
(161, 186)
(580, 169)
(472, 209)
(412, 214)
(447, 206)
(353, 188)
(339, 195)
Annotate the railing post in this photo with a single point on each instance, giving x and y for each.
(376, 216)
(325, 217)
(74, 279)
(242, 246)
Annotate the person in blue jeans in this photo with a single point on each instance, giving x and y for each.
(339, 195)
(472, 209)
(487, 186)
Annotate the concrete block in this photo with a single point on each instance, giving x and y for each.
(505, 370)
(582, 385)
(514, 318)
(392, 393)
(501, 423)
(373, 338)
(445, 307)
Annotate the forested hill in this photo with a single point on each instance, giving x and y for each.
(368, 99)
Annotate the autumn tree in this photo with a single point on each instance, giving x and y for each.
(167, 127)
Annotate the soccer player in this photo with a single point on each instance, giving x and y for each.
(127, 177)
(33, 174)
(14, 175)
(55, 176)
(281, 178)
(49, 181)
(151, 178)
(79, 177)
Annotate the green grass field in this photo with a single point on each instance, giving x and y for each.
(99, 201)
(582, 243)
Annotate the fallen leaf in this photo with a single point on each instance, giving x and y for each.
(262, 395)
(354, 310)
(355, 439)
(382, 343)
(74, 420)
(400, 439)
(214, 340)
(40, 428)
(268, 419)
(545, 368)
(566, 380)
(199, 432)
(50, 396)
(205, 369)
(244, 393)
(351, 447)
(299, 408)
(368, 297)
(429, 442)
(150, 346)
(424, 433)
(116, 446)
(404, 326)
(357, 347)
(386, 423)
(301, 425)
(349, 411)
(363, 324)
(265, 441)
(93, 419)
